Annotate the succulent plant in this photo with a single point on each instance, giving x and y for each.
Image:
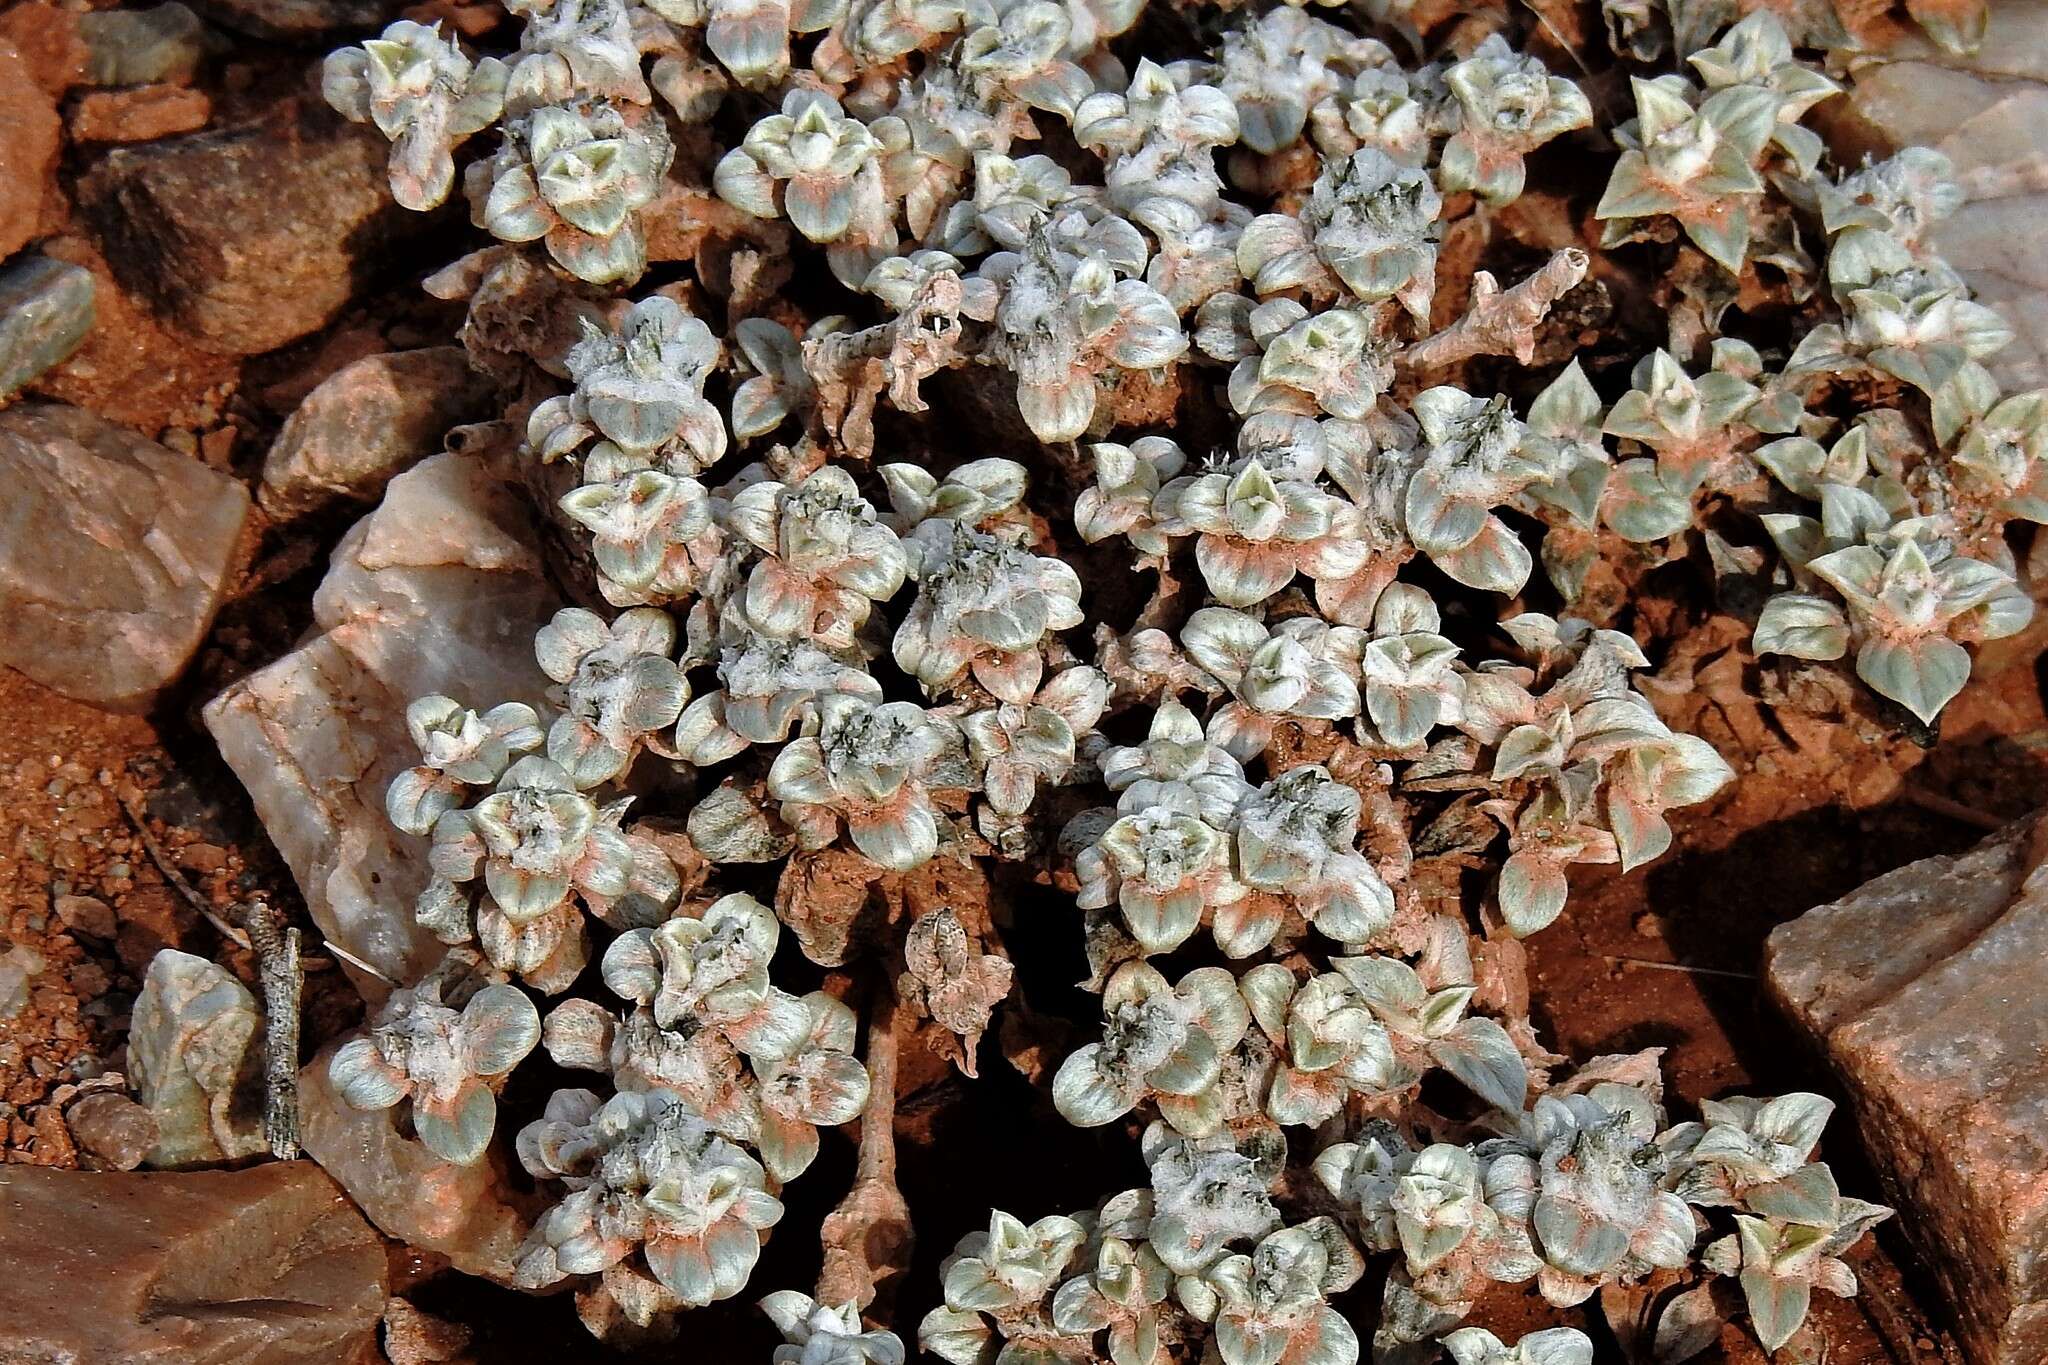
(1303, 669)
(643, 1174)
(1331, 1045)
(423, 94)
(1063, 320)
(1159, 1041)
(751, 38)
(866, 768)
(575, 178)
(817, 1334)
(1508, 106)
(813, 163)
(1789, 1245)
(825, 558)
(1549, 1346)
(1159, 138)
(459, 750)
(984, 609)
(1000, 1280)
(619, 686)
(1271, 1304)
(443, 1058)
(640, 392)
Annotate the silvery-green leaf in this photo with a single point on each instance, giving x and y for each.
(1802, 626)
(1921, 675)
(1532, 893)
(462, 1135)
(1480, 1053)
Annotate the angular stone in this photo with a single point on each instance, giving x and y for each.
(1923, 991)
(1989, 114)
(142, 113)
(439, 590)
(285, 20)
(114, 553)
(366, 422)
(266, 1266)
(250, 237)
(113, 1128)
(138, 46)
(45, 312)
(194, 1063)
(30, 136)
(469, 1214)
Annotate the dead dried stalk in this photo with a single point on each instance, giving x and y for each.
(1498, 323)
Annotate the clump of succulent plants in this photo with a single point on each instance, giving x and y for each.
(865, 642)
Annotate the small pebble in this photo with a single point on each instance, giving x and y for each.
(112, 1127)
(87, 915)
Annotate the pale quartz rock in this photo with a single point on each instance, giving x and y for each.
(1160, 1041)
(420, 91)
(867, 769)
(444, 1059)
(643, 1174)
(194, 1062)
(575, 179)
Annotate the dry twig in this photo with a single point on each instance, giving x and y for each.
(868, 1237)
(1498, 323)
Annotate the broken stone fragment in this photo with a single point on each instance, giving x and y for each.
(113, 1128)
(140, 46)
(249, 237)
(33, 136)
(45, 312)
(467, 1213)
(287, 20)
(114, 553)
(195, 1063)
(439, 590)
(367, 422)
(266, 1265)
(138, 114)
(1922, 990)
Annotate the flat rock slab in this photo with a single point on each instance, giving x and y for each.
(114, 553)
(250, 237)
(1924, 991)
(1988, 113)
(262, 1267)
(439, 590)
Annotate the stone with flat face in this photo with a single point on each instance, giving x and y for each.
(265, 1266)
(114, 553)
(1923, 989)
